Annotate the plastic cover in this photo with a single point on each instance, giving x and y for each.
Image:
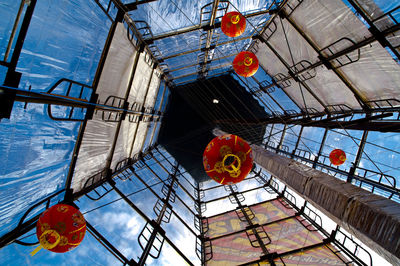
(36, 151)
(373, 74)
(99, 134)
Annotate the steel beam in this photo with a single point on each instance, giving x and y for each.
(297, 141)
(12, 78)
(199, 49)
(200, 27)
(210, 33)
(209, 61)
(101, 239)
(321, 147)
(194, 73)
(370, 123)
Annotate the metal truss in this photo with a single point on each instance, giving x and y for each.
(340, 117)
(164, 209)
(259, 238)
(376, 182)
(205, 26)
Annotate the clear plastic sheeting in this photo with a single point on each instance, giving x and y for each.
(35, 156)
(275, 68)
(36, 151)
(328, 21)
(371, 70)
(99, 133)
(118, 67)
(166, 15)
(140, 137)
(320, 81)
(153, 89)
(65, 40)
(376, 74)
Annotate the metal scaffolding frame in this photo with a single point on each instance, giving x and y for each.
(127, 168)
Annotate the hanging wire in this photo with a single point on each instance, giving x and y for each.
(128, 195)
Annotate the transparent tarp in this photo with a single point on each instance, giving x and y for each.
(99, 136)
(36, 151)
(345, 30)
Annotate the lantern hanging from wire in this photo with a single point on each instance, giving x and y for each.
(227, 159)
(337, 157)
(60, 228)
(245, 64)
(233, 24)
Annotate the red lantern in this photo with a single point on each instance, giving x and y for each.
(245, 64)
(60, 228)
(233, 24)
(337, 157)
(227, 159)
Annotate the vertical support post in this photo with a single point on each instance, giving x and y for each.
(13, 78)
(269, 136)
(140, 118)
(357, 160)
(321, 147)
(297, 142)
(144, 105)
(282, 138)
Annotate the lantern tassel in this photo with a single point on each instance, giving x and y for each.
(36, 250)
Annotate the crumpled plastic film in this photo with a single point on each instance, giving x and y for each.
(99, 134)
(375, 75)
(125, 140)
(328, 21)
(141, 79)
(153, 89)
(118, 66)
(35, 156)
(273, 67)
(140, 137)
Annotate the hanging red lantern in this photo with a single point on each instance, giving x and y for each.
(60, 228)
(233, 24)
(227, 159)
(337, 157)
(245, 64)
